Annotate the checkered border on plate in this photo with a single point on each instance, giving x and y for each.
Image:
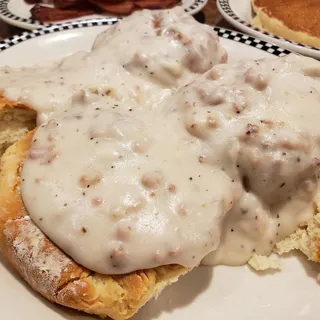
(252, 42)
(224, 33)
(195, 5)
(7, 43)
(225, 6)
(4, 10)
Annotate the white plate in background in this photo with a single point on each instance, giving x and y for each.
(239, 14)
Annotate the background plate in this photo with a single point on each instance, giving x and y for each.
(239, 14)
(220, 293)
(17, 13)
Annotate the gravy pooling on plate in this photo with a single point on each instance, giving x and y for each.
(224, 168)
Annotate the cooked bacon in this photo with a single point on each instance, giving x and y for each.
(39, 1)
(63, 4)
(45, 14)
(32, 1)
(70, 9)
(119, 8)
(155, 4)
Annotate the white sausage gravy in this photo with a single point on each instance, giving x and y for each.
(212, 171)
(141, 58)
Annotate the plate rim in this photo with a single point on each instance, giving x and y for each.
(232, 35)
(28, 23)
(225, 8)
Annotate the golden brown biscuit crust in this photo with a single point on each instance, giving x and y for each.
(296, 20)
(53, 274)
(15, 121)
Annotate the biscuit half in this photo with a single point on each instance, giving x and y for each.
(51, 272)
(15, 121)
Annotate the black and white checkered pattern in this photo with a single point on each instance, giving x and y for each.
(251, 41)
(196, 5)
(224, 33)
(7, 43)
(4, 10)
(225, 6)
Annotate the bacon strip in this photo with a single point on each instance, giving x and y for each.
(39, 1)
(119, 8)
(63, 4)
(45, 14)
(155, 4)
(70, 9)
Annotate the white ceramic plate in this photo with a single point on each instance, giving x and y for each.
(17, 13)
(239, 13)
(221, 293)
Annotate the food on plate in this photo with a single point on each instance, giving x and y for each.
(206, 177)
(296, 20)
(172, 49)
(194, 160)
(56, 10)
(305, 239)
(250, 119)
(15, 121)
(49, 14)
